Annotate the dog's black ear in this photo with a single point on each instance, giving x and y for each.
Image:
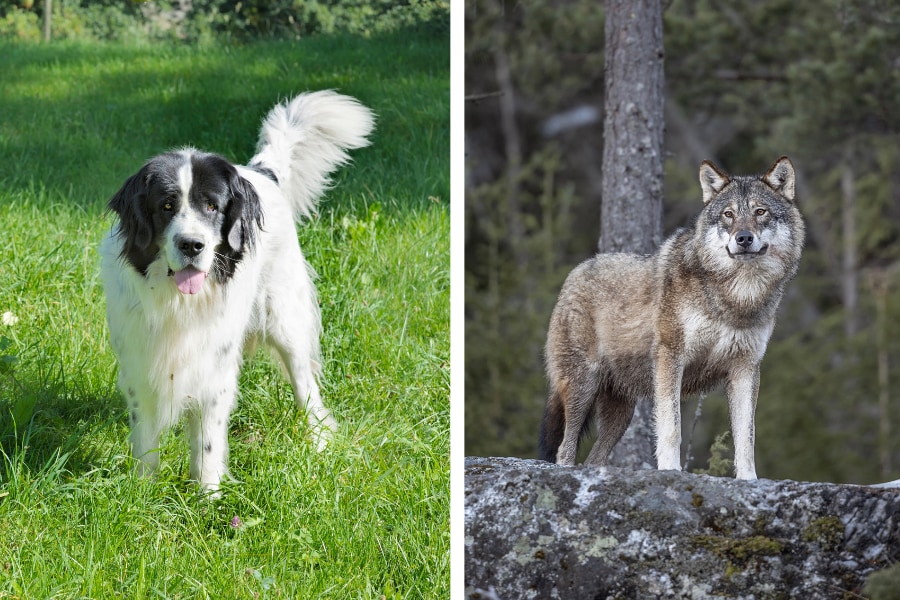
(130, 203)
(243, 217)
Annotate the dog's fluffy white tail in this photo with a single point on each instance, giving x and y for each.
(303, 140)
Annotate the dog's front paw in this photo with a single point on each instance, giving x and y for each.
(210, 491)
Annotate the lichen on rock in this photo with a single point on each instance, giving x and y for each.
(535, 530)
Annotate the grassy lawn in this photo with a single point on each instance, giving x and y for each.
(367, 518)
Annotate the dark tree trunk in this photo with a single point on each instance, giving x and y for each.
(631, 212)
(633, 127)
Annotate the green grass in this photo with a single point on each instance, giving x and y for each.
(368, 517)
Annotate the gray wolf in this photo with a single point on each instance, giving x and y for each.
(203, 263)
(696, 314)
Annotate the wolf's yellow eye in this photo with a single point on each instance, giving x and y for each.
(760, 212)
(211, 207)
(167, 206)
(728, 214)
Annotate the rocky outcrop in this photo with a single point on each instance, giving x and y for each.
(535, 530)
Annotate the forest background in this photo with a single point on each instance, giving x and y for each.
(746, 82)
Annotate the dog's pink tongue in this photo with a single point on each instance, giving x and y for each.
(189, 280)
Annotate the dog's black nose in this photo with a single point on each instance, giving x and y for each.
(744, 239)
(189, 246)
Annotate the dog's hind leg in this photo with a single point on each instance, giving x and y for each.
(306, 393)
(292, 329)
(613, 415)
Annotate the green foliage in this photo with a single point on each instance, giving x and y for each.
(720, 461)
(543, 40)
(828, 532)
(503, 308)
(300, 18)
(524, 224)
(20, 25)
(369, 516)
(742, 550)
(242, 20)
(883, 585)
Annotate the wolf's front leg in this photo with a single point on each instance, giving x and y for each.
(741, 388)
(668, 369)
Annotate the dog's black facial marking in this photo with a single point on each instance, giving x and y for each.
(209, 194)
(135, 224)
(241, 213)
(145, 205)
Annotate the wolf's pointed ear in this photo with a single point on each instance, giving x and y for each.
(243, 217)
(712, 180)
(130, 203)
(781, 177)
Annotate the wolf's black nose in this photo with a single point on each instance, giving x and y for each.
(744, 239)
(190, 247)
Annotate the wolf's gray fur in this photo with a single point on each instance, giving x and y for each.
(697, 313)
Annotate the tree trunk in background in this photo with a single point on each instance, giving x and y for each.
(880, 283)
(850, 270)
(633, 128)
(48, 14)
(632, 188)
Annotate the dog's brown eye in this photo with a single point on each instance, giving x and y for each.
(760, 212)
(728, 214)
(211, 207)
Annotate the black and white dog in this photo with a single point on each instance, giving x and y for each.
(204, 263)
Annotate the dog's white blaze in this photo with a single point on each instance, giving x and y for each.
(187, 223)
(185, 181)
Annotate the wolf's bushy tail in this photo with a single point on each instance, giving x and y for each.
(553, 426)
(306, 138)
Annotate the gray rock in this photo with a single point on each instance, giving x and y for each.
(535, 530)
